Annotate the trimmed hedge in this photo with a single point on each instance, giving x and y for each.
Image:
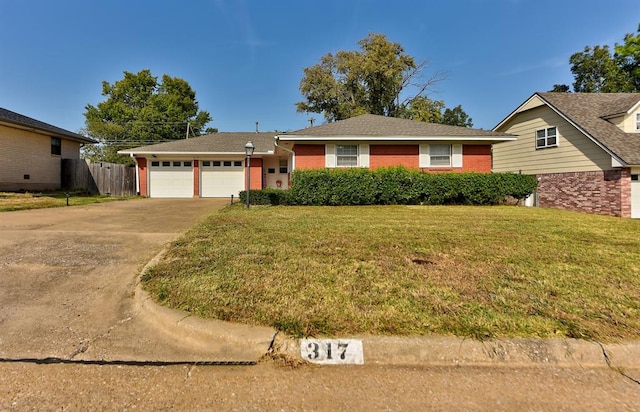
(395, 185)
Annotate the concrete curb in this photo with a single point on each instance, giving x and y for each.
(198, 333)
(392, 350)
(448, 351)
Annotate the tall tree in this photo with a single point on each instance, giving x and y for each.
(139, 110)
(628, 57)
(380, 78)
(597, 70)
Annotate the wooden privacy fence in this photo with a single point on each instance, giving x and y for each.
(110, 179)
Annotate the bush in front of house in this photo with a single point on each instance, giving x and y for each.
(265, 197)
(394, 186)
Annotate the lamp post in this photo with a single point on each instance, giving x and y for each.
(248, 150)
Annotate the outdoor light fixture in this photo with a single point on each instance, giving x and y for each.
(248, 150)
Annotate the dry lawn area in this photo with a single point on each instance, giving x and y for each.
(410, 270)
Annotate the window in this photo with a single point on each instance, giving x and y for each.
(271, 170)
(206, 163)
(216, 163)
(237, 163)
(440, 155)
(637, 122)
(188, 164)
(634, 178)
(546, 137)
(56, 146)
(166, 164)
(347, 156)
(227, 163)
(155, 164)
(283, 166)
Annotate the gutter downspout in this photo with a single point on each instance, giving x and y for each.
(137, 175)
(293, 154)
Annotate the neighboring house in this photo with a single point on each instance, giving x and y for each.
(214, 165)
(31, 152)
(583, 147)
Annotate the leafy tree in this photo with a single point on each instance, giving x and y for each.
(380, 78)
(423, 109)
(456, 117)
(597, 70)
(138, 111)
(628, 57)
(560, 88)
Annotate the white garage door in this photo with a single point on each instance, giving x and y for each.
(221, 178)
(171, 178)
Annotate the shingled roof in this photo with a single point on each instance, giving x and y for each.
(226, 142)
(7, 116)
(372, 126)
(590, 112)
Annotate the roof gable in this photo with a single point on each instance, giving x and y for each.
(375, 126)
(7, 116)
(588, 113)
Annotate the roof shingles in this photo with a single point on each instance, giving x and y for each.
(589, 111)
(15, 118)
(226, 142)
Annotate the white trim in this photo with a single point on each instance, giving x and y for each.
(330, 155)
(159, 153)
(363, 155)
(397, 139)
(456, 155)
(425, 159)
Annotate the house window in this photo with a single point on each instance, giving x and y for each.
(56, 146)
(440, 155)
(346, 156)
(546, 137)
(283, 166)
(271, 170)
(637, 122)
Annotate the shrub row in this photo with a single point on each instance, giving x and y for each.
(396, 185)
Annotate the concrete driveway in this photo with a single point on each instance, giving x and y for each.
(67, 280)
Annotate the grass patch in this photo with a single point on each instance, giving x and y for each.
(23, 201)
(410, 270)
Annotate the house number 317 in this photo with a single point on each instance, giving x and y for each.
(332, 351)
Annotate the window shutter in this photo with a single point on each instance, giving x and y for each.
(363, 160)
(456, 158)
(425, 160)
(330, 155)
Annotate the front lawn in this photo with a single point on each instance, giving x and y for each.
(23, 201)
(410, 270)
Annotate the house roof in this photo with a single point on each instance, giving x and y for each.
(215, 143)
(589, 112)
(24, 122)
(375, 127)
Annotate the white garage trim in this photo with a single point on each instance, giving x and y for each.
(221, 178)
(171, 178)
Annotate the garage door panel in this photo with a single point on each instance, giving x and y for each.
(221, 180)
(171, 181)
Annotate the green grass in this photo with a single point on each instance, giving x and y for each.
(24, 201)
(410, 270)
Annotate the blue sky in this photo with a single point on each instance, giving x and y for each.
(245, 58)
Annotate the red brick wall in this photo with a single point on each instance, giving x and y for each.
(601, 192)
(196, 179)
(476, 158)
(394, 155)
(256, 174)
(142, 175)
(309, 156)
